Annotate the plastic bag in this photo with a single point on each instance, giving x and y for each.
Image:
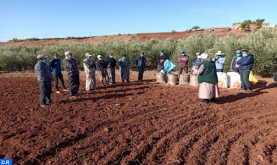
(168, 66)
(252, 79)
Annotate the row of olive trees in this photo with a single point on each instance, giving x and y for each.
(261, 43)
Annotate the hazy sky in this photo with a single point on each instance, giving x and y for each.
(62, 18)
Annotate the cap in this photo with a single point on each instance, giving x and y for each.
(183, 51)
(88, 55)
(238, 52)
(41, 56)
(162, 51)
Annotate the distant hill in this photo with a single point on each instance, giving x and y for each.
(219, 32)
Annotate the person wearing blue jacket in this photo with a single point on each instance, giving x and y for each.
(56, 69)
(141, 64)
(219, 60)
(234, 65)
(246, 64)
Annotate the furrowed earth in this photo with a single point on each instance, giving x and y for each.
(137, 123)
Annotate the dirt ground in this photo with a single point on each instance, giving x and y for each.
(137, 123)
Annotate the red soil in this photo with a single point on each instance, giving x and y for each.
(219, 32)
(137, 123)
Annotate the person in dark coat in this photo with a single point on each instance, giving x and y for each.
(141, 64)
(124, 66)
(56, 69)
(44, 78)
(234, 64)
(111, 69)
(101, 67)
(72, 69)
(160, 60)
(245, 66)
(183, 63)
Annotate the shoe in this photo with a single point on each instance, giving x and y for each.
(58, 92)
(44, 106)
(249, 90)
(128, 80)
(212, 99)
(65, 90)
(206, 101)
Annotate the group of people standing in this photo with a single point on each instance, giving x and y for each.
(242, 63)
(202, 65)
(105, 68)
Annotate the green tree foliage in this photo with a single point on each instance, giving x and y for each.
(195, 27)
(245, 25)
(261, 43)
(259, 23)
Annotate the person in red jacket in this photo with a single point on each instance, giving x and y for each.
(183, 63)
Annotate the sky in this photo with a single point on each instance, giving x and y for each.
(63, 18)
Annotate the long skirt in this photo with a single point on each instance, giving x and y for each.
(208, 91)
(125, 73)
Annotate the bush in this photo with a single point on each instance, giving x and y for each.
(261, 43)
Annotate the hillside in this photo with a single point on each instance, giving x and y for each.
(219, 32)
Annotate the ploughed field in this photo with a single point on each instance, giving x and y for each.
(137, 123)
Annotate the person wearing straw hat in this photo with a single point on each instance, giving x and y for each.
(72, 69)
(219, 60)
(207, 78)
(101, 67)
(89, 67)
(44, 78)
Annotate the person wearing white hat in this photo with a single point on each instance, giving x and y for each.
(44, 78)
(101, 67)
(219, 60)
(89, 67)
(207, 78)
(72, 69)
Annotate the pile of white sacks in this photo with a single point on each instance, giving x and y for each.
(229, 80)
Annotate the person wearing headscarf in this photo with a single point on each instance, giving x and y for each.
(207, 78)
(141, 64)
(183, 63)
(72, 70)
(124, 65)
(160, 60)
(219, 60)
(44, 78)
(101, 67)
(89, 67)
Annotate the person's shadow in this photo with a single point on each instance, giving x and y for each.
(258, 90)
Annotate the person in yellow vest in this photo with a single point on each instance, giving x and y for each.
(207, 78)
